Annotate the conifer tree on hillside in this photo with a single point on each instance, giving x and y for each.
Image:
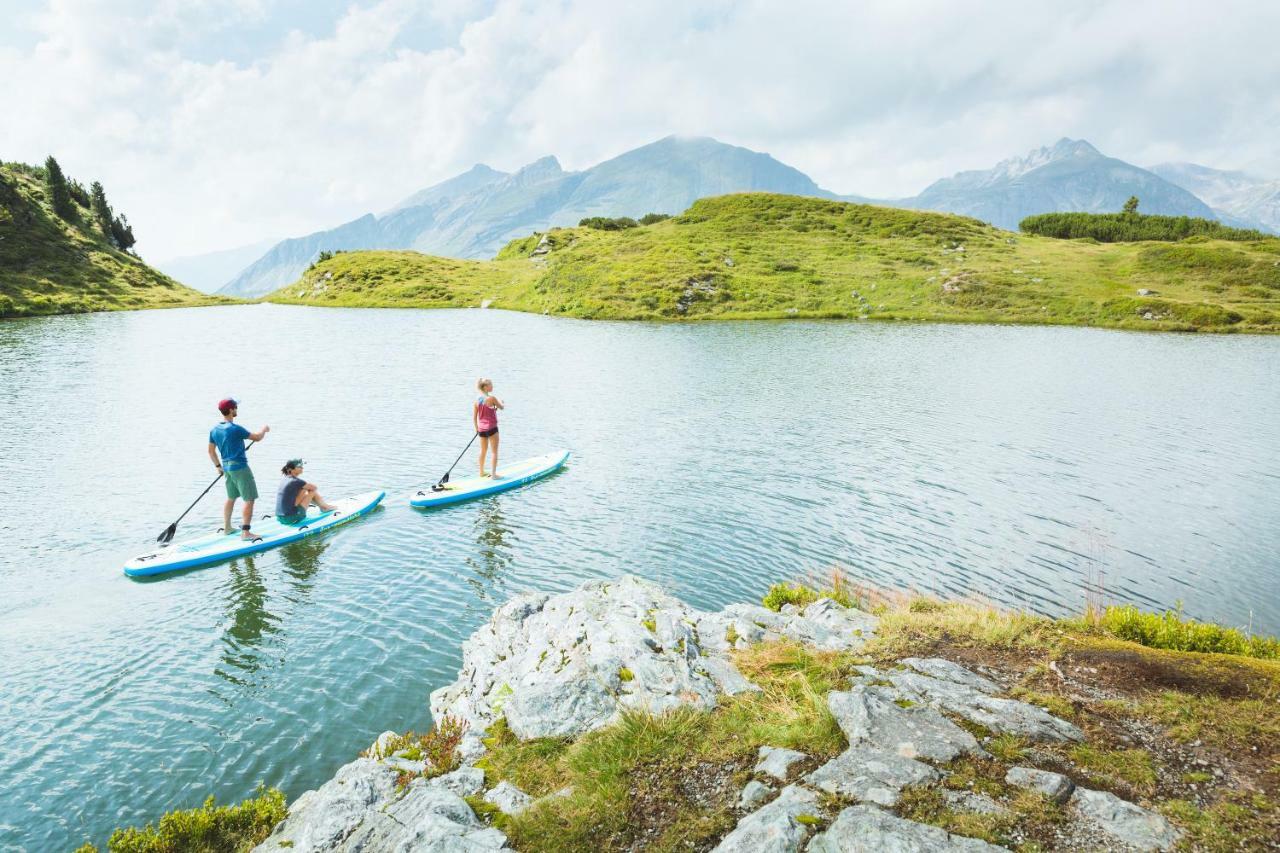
(102, 215)
(59, 193)
(122, 232)
(1131, 206)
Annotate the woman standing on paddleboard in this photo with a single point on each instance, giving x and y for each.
(484, 417)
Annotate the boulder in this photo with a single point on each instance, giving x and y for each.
(508, 798)
(464, 781)
(777, 762)
(360, 808)
(1002, 716)
(866, 828)
(950, 671)
(753, 794)
(559, 666)
(425, 819)
(1124, 821)
(779, 827)
(824, 624)
(870, 716)
(1055, 786)
(872, 775)
(973, 801)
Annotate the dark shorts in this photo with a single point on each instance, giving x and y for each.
(485, 433)
(297, 518)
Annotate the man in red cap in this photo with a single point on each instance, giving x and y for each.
(227, 439)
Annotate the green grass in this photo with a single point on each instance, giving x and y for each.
(760, 256)
(1169, 630)
(50, 266)
(641, 765)
(208, 829)
(1133, 767)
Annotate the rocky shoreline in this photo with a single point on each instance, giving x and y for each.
(562, 666)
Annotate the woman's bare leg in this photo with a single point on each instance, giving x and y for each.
(484, 449)
(493, 466)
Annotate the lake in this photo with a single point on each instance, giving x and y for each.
(1018, 464)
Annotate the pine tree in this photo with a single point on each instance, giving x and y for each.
(102, 215)
(1130, 206)
(59, 194)
(122, 232)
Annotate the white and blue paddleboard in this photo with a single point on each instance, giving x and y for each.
(268, 533)
(512, 476)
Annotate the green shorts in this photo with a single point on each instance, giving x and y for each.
(290, 520)
(240, 484)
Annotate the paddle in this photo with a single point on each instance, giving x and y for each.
(439, 487)
(167, 536)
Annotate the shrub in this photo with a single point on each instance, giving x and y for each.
(1171, 631)
(651, 218)
(438, 747)
(209, 828)
(1130, 227)
(604, 223)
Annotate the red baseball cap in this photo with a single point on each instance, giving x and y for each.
(227, 405)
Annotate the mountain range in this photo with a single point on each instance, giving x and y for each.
(476, 213)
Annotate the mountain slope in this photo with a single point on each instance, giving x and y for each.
(1071, 175)
(475, 214)
(211, 271)
(757, 255)
(51, 266)
(1244, 199)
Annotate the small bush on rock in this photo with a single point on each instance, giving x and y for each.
(210, 828)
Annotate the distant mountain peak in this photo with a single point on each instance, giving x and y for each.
(1063, 149)
(543, 166)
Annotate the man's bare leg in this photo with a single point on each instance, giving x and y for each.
(226, 515)
(247, 515)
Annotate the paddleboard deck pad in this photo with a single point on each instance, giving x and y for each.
(268, 533)
(511, 477)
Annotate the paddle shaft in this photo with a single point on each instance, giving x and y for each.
(445, 478)
(205, 492)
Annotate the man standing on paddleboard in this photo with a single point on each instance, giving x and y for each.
(227, 439)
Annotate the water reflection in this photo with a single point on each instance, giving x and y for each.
(249, 622)
(302, 561)
(492, 558)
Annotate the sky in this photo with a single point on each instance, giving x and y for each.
(218, 124)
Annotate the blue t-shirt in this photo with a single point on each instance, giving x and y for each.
(230, 438)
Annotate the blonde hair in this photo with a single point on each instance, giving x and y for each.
(483, 382)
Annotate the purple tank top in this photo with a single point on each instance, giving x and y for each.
(487, 416)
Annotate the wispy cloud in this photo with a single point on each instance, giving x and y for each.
(220, 123)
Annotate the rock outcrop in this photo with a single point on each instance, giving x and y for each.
(567, 664)
(361, 808)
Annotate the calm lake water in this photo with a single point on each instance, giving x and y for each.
(1010, 463)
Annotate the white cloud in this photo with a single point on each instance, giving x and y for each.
(877, 98)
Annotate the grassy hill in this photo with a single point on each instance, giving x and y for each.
(759, 255)
(51, 266)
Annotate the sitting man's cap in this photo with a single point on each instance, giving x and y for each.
(294, 463)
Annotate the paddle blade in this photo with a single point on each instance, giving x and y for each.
(167, 536)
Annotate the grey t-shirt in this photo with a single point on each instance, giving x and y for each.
(287, 495)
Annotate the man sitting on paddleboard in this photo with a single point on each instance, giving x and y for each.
(484, 417)
(227, 439)
(295, 495)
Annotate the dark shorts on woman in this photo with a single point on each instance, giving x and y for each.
(488, 432)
